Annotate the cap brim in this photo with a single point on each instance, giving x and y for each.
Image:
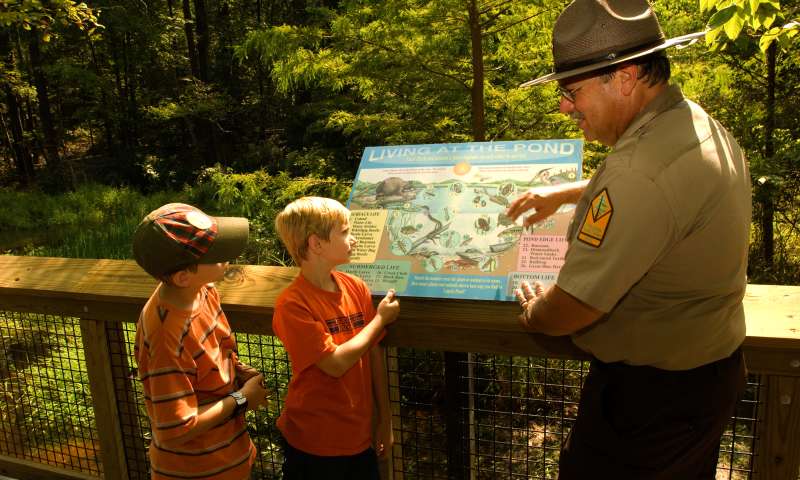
(231, 239)
(680, 42)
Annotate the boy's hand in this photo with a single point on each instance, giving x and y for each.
(384, 439)
(389, 308)
(244, 373)
(255, 391)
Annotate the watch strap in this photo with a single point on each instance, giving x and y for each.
(241, 402)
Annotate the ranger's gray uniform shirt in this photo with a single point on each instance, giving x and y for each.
(659, 241)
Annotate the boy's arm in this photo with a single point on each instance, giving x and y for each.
(383, 437)
(347, 354)
(211, 415)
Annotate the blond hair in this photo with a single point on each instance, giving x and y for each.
(305, 217)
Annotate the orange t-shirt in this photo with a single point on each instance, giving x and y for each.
(323, 415)
(187, 359)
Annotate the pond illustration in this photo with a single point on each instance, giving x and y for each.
(451, 224)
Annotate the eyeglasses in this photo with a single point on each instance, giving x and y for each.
(567, 93)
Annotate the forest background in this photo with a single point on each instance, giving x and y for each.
(113, 108)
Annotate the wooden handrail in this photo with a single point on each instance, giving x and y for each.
(115, 290)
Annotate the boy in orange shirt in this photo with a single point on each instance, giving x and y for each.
(330, 329)
(195, 389)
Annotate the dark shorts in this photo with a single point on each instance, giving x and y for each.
(299, 465)
(653, 424)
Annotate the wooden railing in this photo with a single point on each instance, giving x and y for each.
(104, 293)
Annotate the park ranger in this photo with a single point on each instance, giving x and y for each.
(655, 273)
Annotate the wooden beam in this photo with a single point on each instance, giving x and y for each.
(28, 470)
(779, 438)
(133, 438)
(115, 290)
(104, 399)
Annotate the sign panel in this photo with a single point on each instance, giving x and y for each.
(430, 222)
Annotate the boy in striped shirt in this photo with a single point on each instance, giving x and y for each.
(196, 390)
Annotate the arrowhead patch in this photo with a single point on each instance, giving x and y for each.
(598, 217)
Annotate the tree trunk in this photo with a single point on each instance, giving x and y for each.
(130, 98)
(201, 25)
(476, 37)
(23, 161)
(42, 95)
(171, 9)
(768, 205)
(188, 27)
(22, 156)
(105, 107)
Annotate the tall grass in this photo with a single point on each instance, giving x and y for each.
(97, 221)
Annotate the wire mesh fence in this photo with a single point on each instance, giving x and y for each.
(470, 416)
(46, 413)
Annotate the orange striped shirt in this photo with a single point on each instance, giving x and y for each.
(187, 359)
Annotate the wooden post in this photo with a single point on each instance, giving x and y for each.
(132, 436)
(104, 399)
(777, 452)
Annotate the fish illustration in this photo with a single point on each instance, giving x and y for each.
(501, 247)
(504, 220)
(409, 229)
(499, 199)
(515, 230)
(470, 258)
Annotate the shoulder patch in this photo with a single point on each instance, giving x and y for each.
(598, 218)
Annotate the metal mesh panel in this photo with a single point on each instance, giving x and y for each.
(516, 412)
(422, 437)
(46, 413)
(133, 419)
(480, 417)
(738, 443)
(268, 356)
(524, 408)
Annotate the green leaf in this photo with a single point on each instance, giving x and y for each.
(712, 35)
(721, 17)
(754, 5)
(768, 19)
(733, 27)
(769, 37)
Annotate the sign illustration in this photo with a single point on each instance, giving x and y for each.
(430, 222)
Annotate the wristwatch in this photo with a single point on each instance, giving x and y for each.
(241, 402)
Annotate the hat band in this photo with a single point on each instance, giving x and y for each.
(607, 57)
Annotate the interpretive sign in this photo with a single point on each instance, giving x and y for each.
(430, 222)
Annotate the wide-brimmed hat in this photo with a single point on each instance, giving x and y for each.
(594, 34)
(177, 235)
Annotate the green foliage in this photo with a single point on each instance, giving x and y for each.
(29, 14)
(97, 221)
(757, 18)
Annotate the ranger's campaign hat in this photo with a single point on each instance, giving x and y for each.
(177, 235)
(594, 34)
